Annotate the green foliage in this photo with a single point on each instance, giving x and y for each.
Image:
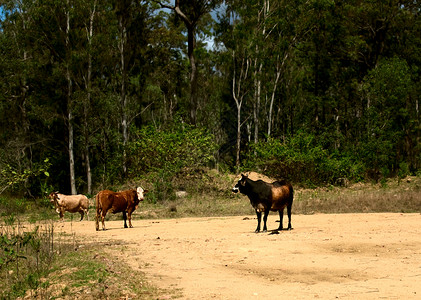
(164, 153)
(387, 90)
(38, 209)
(301, 158)
(346, 74)
(11, 177)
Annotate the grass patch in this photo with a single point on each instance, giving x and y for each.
(90, 272)
(399, 196)
(26, 256)
(84, 271)
(393, 195)
(30, 210)
(37, 263)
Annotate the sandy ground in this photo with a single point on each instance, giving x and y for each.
(347, 256)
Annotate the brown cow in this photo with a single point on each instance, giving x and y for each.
(125, 202)
(265, 197)
(70, 203)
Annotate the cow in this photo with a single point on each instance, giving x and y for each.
(115, 202)
(265, 197)
(70, 203)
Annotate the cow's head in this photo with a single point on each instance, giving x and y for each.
(53, 196)
(241, 182)
(141, 193)
(54, 199)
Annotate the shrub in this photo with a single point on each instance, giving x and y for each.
(302, 159)
(161, 154)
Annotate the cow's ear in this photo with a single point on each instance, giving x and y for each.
(145, 191)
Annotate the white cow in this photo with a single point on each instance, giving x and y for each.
(70, 203)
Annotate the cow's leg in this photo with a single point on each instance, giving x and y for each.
(81, 215)
(125, 218)
(129, 216)
(97, 222)
(259, 218)
(265, 218)
(289, 216)
(97, 216)
(281, 218)
(87, 214)
(103, 219)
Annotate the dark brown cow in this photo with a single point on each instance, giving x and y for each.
(265, 197)
(115, 202)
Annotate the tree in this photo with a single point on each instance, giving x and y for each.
(191, 13)
(387, 92)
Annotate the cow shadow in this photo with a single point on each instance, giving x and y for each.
(277, 231)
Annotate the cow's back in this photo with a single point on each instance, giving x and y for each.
(119, 201)
(282, 195)
(102, 199)
(73, 203)
(130, 197)
(259, 193)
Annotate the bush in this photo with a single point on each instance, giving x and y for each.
(161, 154)
(302, 159)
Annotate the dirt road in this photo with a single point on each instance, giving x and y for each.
(349, 256)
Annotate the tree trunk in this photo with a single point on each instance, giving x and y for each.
(69, 106)
(275, 86)
(238, 145)
(88, 100)
(193, 75)
(123, 96)
(256, 106)
(191, 45)
(71, 151)
(238, 95)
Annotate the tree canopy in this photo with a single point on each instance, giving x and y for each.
(93, 93)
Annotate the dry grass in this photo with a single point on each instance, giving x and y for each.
(393, 196)
(210, 195)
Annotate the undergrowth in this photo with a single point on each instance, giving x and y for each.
(26, 256)
(38, 263)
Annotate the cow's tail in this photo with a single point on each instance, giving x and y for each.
(98, 211)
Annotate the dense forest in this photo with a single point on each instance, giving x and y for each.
(97, 93)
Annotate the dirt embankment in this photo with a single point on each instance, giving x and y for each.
(347, 256)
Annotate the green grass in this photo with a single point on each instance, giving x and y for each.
(26, 256)
(91, 273)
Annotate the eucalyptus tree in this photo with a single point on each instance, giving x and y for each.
(192, 13)
(131, 16)
(89, 27)
(168, 73)
(232, 37)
